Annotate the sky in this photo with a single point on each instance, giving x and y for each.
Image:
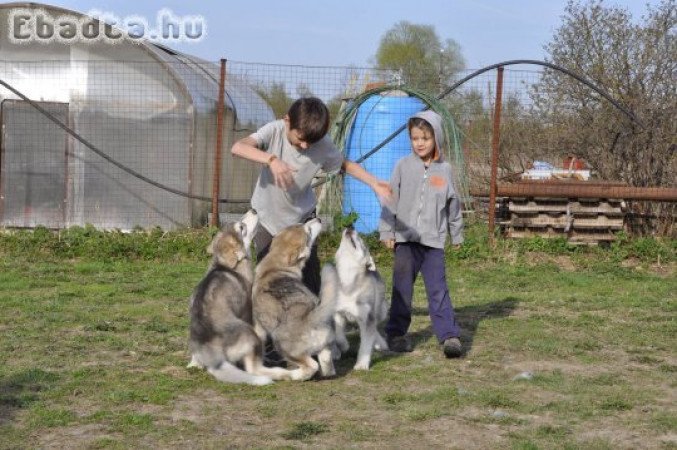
(347, 32)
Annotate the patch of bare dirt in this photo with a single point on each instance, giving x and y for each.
(620, 436)
(663, 270)
(179, 372)
(539, 258)
(568, 367)
(630, 263)
(565, 263)
(194, 407)
(81, 436)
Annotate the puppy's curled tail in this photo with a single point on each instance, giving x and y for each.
(328, 296)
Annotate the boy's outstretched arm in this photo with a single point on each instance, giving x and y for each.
(247, 148)
(380, 187)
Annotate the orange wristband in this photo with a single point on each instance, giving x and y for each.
(271, 159)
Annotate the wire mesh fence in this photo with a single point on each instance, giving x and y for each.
(137, 141)
(126, 136)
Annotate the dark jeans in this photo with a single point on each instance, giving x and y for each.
(410, 259)
(311, 271)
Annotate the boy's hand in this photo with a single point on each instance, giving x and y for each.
(389, 243)
(282, 173)
(383, 191)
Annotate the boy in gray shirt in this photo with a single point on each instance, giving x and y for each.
(294, 149)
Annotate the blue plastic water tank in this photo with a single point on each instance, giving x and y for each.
(376, 119)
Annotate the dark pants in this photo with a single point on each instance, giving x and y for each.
(311, 271)
(410, 259)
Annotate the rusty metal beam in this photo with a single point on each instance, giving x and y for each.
(216, 178)
(582, 190)
(495, 142)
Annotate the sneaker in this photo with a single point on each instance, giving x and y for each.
(399, 344)
(452, 347)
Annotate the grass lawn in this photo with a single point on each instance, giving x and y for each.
(563, 351)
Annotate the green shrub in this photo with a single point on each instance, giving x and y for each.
(89, 243)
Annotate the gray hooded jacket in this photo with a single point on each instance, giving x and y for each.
(425, 204)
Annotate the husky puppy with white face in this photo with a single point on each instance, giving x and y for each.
(297, 321)
(361, 297)
(221, 331)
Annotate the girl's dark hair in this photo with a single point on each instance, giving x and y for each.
(310, 117)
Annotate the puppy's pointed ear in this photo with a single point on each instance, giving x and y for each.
(371, 265)
(210, 247)
(241, 228)
(292, 256)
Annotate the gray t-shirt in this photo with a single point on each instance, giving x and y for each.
(277, 208)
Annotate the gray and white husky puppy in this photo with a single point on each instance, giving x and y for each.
(297, 321)
(361, 298)
(221, 331)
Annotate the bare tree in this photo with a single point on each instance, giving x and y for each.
(635, 62)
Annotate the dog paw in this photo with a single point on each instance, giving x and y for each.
(381, 345)
(328, 372)
(301, 375)
(361, 366)
(261, 381)
(194, 363)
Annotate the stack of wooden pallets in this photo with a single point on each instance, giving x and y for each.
(580, 220)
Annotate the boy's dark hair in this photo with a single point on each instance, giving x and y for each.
(310, 117)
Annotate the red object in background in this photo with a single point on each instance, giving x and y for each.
(573, 163)
(375, 85)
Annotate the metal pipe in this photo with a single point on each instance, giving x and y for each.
(216, 181)
(582, 190)
(495, 140)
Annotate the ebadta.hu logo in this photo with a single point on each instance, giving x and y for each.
(39, 25)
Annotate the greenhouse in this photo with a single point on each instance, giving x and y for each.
(137, 141)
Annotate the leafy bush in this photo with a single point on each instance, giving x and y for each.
(89, 243)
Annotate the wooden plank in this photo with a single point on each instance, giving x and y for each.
(563, 221)
(574, 238)
(573, 207)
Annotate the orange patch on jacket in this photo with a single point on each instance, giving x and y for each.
(437, 181)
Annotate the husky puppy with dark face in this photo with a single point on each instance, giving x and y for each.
(361, 297)
(221, 331)
(297, 321)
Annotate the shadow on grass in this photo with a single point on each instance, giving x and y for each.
(345, 364)
(19, 390)
(469, 318)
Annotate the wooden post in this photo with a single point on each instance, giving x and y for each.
(216, 179)
(495, 141)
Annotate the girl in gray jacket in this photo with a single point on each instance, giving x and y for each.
(424, 210)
